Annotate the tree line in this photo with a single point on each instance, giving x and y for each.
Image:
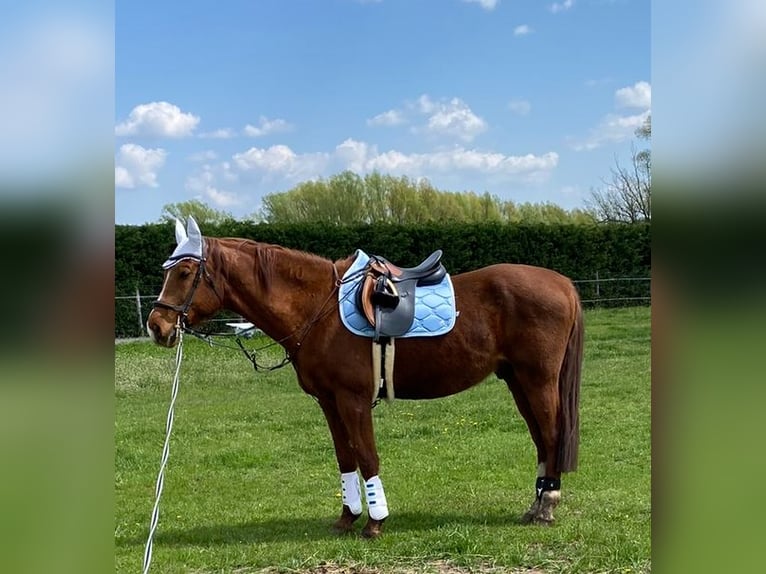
(349, 199)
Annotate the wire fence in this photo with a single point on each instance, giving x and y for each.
(132, 310)
(614, 291)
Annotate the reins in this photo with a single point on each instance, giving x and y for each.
(165, 452)
(251, 354)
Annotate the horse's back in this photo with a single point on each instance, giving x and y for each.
(526, 308)
(517, 284)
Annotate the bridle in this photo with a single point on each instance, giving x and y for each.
(183, 310)
(300, 333)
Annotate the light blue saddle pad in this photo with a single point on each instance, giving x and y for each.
(434, 304)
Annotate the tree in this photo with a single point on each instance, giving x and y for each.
(627, 194)
(645, 131)
(199, 210)
(349, 199)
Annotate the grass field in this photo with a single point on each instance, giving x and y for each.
(252, 481)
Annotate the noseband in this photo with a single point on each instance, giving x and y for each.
(183, 310)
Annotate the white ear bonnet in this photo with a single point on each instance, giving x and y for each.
(190, 243)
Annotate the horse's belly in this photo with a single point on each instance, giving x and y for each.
(438, 380)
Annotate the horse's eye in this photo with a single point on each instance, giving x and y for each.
(184, 273)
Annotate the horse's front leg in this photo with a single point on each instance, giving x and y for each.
(349, 479)
(356, 413)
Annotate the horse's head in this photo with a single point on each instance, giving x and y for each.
(188, 293)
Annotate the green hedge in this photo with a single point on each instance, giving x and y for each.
(578, 251)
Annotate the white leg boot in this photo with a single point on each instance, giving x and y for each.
(377, 507)
(351, 492)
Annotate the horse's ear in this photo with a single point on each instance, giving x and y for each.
(190, 243)
(180, 232)
(192, 228)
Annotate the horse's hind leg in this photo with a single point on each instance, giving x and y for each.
(536, 397)
(349, 479)
(526, 412)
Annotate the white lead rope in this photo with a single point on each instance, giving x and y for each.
(165, 453)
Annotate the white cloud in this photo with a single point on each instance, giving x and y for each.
(281, 160)
(239, 182)
(203, 184)
(266, 126)
(639, 95)
(221, 198)
(363, 157)
(136, 166)
(486, 4)
(612, 128)
(521, 107)
(461, 159)
(158, 119)
(122, 177)
(615, 128)
(219, 134)
(425, 105)
(557, 7)
(275, 158)
(228, 172)
(389, 118)
(522, 30)
(453, 118)
(354, 154)
(444, 118)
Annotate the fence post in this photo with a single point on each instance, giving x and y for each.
(598, 287)
(140, 313)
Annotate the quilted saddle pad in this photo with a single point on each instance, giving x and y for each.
(435, 312)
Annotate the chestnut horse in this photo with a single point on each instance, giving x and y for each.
(522, 323)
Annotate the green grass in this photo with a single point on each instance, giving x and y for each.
(252, 480)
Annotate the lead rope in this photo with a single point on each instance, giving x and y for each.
(165, 451)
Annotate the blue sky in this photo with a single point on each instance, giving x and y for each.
(228, 101)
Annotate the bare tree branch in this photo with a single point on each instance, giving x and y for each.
(626, 194)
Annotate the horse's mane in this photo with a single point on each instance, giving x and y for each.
(265, 257)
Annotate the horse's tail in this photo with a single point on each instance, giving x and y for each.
(569, 394)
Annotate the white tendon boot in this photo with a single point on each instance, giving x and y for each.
(377, 507)
(351, 492)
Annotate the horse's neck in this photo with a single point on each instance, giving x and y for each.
(281, 301)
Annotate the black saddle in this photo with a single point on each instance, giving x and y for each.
(386, 296)
(429, 272)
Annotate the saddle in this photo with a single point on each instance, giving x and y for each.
(386, 295)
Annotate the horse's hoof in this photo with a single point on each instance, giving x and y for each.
(340, 528)
(345, 523)
(538, 516)
(528, 517)
(536, 519)
(541, 511)
(373, 528)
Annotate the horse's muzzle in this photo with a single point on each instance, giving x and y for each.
(163, 333)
